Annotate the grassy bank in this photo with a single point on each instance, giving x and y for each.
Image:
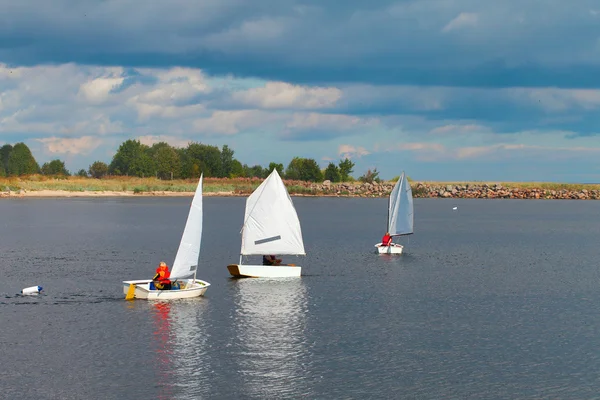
(122, 184)
(139, 185)
(242, 186)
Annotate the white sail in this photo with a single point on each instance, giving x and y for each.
(186, 259)
(400, 213)
(271, 225)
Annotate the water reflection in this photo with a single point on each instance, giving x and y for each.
(181, 349)
(270, 320)
(163, 348)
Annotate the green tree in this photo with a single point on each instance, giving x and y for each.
(226, 161)
(255, 171)
(294, 169)
(166, 161)
(237, 169)
(312, 172)
(191, 167)
(278, 167)
(346, 168)
(332, 173)
(98, 169)
(4, 155)
(55, 167)
(21, 161)
(304, 169)
(204, 157)
(132, 159)
(2, 171)
(83, 174)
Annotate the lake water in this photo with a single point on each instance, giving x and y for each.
(496, 300)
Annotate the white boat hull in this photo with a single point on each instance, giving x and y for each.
(394, 248)
(193, 288)
(264, 271)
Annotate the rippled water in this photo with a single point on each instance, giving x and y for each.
(495, 300)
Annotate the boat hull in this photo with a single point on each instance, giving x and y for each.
(393, 249)
(193, 288)
(264, 271)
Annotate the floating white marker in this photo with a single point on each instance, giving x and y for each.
(32, 290)
(455, 208)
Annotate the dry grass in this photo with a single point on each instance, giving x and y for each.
(136, 185)
(237, 185)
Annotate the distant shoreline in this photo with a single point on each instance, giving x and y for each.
(242, 187)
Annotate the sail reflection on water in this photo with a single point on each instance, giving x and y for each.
(270, 322)
(181, 343)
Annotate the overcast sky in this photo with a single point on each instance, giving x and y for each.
(442, 89)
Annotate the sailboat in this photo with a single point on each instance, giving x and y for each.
(400, 215)
(185, 264)
(271, 226)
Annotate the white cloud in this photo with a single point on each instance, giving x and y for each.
(285, 95)
(455, 129)
(174, 141)
(553, 99)
(174, 85)
(97, 90)
(304, 121)
(9, 73)
(464, 19)
(81, 145)
(350, 151)
(74, 110)
(172, 96)
(147, 111)
(232, 122)
(99, 124)
(505, 151)
(437, 147)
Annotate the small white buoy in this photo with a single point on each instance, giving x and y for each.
(32, 290)
(455, 208)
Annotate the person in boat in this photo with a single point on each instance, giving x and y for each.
(271, 260)
(161, 279)
(386, 240)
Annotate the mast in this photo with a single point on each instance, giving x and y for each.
(388, 213)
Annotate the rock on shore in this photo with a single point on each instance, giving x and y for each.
(467, 191)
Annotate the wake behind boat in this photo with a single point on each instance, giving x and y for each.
(185, 264)
(271, 226)
(400, 215)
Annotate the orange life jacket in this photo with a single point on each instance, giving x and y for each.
(387, 239)
(163, 275)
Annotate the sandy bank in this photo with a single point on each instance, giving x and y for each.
(65, 193)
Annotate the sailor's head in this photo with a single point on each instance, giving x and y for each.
(162, 264)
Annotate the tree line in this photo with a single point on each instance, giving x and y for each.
(17, 160)
(164, 161)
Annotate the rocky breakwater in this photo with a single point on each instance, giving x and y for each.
(497, 191)
(466, 191)
(349, 189)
